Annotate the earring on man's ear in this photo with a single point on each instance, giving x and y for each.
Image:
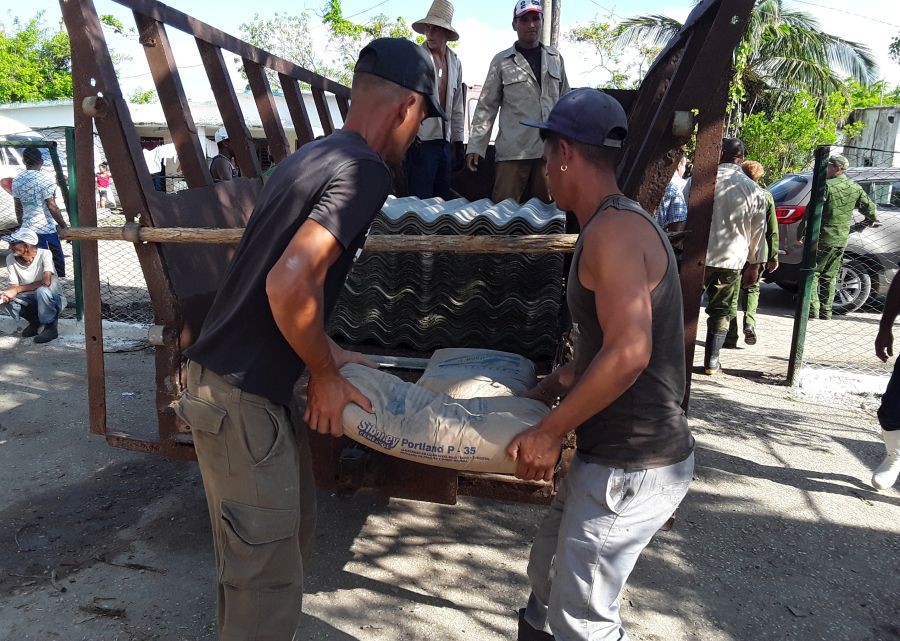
(564, 168)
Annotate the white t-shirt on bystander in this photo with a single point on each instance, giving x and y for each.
(20, 274)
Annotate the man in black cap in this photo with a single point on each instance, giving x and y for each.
(267, 325)
(622, 392)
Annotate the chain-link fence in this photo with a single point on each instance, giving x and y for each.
(840, 237)
(123, 290)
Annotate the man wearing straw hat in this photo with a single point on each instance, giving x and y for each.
(439, 150)
(523, 83)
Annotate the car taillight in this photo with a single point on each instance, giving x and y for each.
(788, 215)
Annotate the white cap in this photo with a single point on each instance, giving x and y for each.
(221, 134)
(22, 235)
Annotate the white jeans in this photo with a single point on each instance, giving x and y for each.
(598, 525)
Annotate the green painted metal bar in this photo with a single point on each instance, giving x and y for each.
(73, 219)
(808, 266)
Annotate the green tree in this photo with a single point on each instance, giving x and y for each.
(782, 53)
(349, 37)
(35, 62)
(784, 141)
(601, 36)
(140, 96)
(894, 49)
(875, 95)
(289, 37)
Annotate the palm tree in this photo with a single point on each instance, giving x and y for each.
(782, 53)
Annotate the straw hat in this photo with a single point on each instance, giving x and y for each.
(440, 15)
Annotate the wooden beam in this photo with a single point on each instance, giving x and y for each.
(548, 244)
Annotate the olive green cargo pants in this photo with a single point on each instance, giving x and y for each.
(748, 300)
(521, 180)
(722, 287)
(824, 281)
(257, 472)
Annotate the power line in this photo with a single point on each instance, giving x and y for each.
(849, 13)
(147, 73)
(608, 10)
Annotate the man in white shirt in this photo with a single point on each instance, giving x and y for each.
(35, 201)
(33, 291)
(736, 236)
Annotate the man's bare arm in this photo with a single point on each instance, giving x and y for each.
(295, 288)
(55, 212)
(618, 275)
(884, 341)
(14, 290)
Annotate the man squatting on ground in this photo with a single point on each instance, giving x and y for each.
(736, 238)
(523, 82)
(439, 150)
(33, 291)
(623, 392)
(268, 323)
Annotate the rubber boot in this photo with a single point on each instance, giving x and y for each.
(47, 334)
(714, 342)
(31, 330)
(885, 475)
(731, 340)
(527, 633)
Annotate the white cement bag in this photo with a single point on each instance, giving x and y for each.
(474, 373)
(416, 424)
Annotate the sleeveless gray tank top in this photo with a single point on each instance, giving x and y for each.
(645, 427)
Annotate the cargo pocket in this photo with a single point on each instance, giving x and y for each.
(205, 421)
(260, 548)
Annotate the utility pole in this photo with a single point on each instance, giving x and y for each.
(555, 19)
(546, 33)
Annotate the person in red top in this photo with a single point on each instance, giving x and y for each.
(103, 184)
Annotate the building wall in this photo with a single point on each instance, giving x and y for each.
(878, 143)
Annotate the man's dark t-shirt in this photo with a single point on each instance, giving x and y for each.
(534, 58)
(340, 183)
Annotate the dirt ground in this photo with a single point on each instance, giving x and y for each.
(779, 538)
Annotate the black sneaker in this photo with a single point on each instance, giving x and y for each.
(31, 330)
(750, 334)
(48, 334)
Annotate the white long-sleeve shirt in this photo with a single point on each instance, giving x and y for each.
(737, 234)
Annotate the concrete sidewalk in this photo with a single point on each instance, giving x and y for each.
(780, 536)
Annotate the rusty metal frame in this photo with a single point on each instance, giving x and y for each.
(690, 76)
(182, 279)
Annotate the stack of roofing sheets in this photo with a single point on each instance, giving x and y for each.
(509, 302)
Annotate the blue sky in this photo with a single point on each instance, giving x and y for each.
(483, 24)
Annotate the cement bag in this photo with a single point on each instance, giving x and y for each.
(475, 373)
(416, 424)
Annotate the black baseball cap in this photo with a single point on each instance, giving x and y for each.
(402, 62)
(586, 115)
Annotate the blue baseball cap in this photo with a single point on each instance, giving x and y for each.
(405, 63)
(589, 116)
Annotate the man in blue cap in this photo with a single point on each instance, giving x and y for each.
(267, 325)
(622, 393)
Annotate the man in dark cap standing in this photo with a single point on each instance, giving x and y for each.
(622, 392)
(842, 196)
(267, 325)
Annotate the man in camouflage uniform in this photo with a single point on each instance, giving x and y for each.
(842, 196)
